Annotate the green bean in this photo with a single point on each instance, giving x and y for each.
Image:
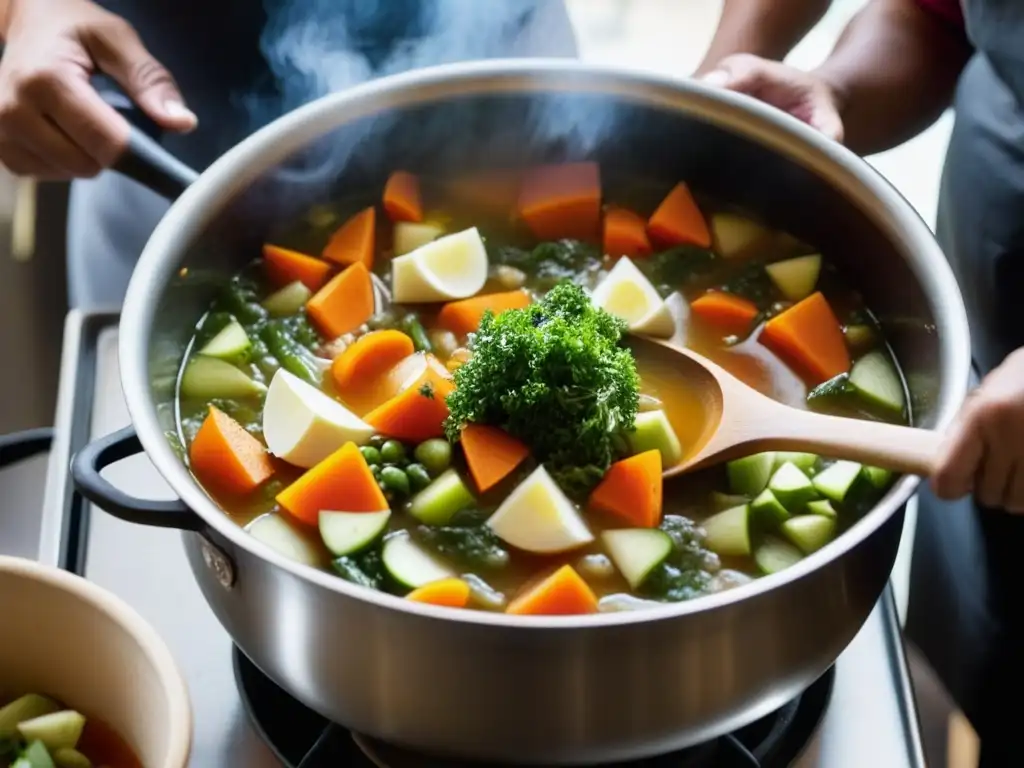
(392, 452)
(434, 454)
(303, 332)
(419, 478)
(245, 308)
(293, 358)
(414, 328)
(395, 480)
(371, 454)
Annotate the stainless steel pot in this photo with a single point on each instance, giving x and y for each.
(559, 690)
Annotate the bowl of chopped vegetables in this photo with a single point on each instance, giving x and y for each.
(380, 351)
(84, 681)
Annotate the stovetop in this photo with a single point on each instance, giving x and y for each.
(869, 717)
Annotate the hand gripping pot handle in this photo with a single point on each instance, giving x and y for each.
(101, 453)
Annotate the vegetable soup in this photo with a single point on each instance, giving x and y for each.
(431, 393)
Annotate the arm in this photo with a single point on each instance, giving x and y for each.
(766, 28)
(893, 73)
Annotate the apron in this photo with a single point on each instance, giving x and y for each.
(966, 610)
(233, 89)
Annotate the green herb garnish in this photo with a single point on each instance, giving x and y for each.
(553, 375)
(427, 390)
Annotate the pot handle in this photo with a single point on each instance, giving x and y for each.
(144, 160)
(22, 445)
(99, 454)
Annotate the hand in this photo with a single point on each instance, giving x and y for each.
(802, 94)
(53, 124)
(983, 452)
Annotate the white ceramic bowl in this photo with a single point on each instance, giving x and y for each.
(65, 637)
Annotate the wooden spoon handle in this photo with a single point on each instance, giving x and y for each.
(900, 449)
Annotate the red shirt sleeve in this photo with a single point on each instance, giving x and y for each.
(949, 11)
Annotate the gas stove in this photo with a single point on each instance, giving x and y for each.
(861, 712)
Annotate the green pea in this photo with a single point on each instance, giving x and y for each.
(371, 454)
(375, 469)
(376, 441)
(395, 480)
(419, 478)
(392, 452)
(434, 454)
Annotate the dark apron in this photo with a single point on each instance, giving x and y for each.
(966, 609)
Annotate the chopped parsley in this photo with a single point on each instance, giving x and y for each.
(427, 390)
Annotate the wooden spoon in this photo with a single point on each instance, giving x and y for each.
(740, 421)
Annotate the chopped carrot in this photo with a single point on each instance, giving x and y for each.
(353, 241)
(342, 481)
(418, 412)
(563, 593)
(809, 339)
(463, 317)
(360, 367)
(678, 220)
(727, 312)
(559, 201)
(631, 490)
(625, 233)
(284, 267)
(491, 454)
(345, 303)
(402, 197)
(452, 593)
(227, 457)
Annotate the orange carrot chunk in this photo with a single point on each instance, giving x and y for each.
(342, 481)
(808, 338)
(353, 241)
(625, 234)
(559, 201)
(726, 312)
(463, 317)
(284, 267)
(226, 457)
(402, 197)
(631, 490)
(563, 593)
(345, 303)
(678, 220)
(418, 412)
(491, 454)
(452, 593)
(362, 364)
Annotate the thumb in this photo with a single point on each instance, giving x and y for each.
(741, 72)
(144, 79)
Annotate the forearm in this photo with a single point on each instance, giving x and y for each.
(766, 28)
(893, 71)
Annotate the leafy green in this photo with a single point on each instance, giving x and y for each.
(685, 574)
(551, 262)
(365, 569)
(553, 375)
(674, 268)
(754, 285)
(476, 547)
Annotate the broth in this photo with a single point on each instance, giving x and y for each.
(735, 290)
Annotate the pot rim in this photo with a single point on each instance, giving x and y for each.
(153, 647)
(857, 181)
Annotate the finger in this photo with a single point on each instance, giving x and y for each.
(46, 140)
(95, 127)
(826, 120)
(992, 483)
(959, 459)
(118, 51)
(1014, 501)
(22, 161)
(742, 73)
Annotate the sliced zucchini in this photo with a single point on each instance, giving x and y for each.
(795, 278)
(821, 507)
(288, 300)
(409, 565)
(207, 378)
(805, 462)
(230, 343)
(56, 730)
(792, 487)
(345, 533)
(35, 755)
(728, 532)
(749, 476)
(439, 502)
(875, 379)
(723, 501)
(878, 478)
(652, 430)
(768, 510)
(279, 534)
(774, 555)
(809, 532)
(735, 236)
(26, 707)
(71, 758)
(835, 481)
(637, 551)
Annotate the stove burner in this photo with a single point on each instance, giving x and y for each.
(303, 739)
